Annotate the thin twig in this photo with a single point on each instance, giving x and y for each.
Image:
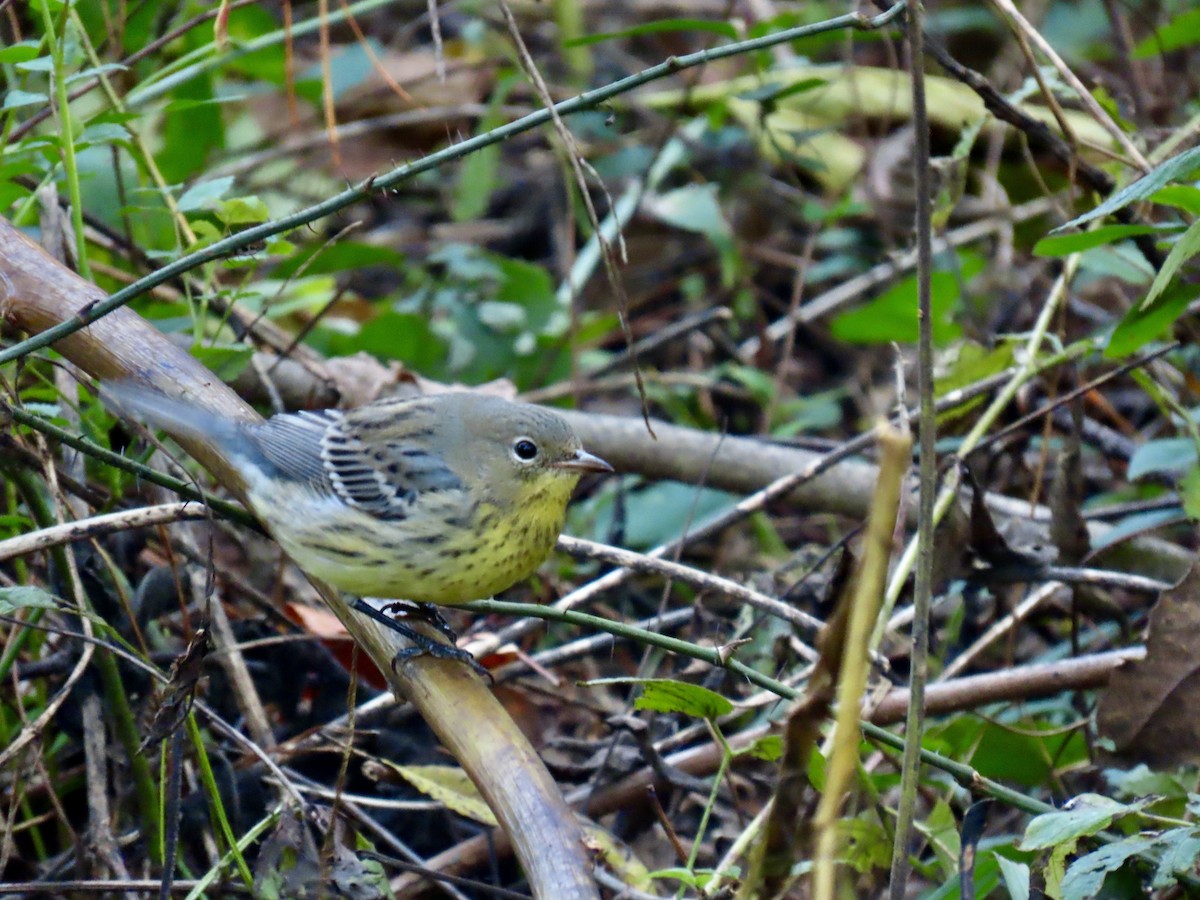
(640, 562)
(847, 291)
(1001, 628)
(1090, 176)
(571, 148)
(927, 418)
(1085, 96)
(1136, 363)
(98, 526)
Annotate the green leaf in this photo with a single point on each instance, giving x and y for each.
(326, 259)
(466, 262)
(666, 695)
(11, 192)
(201, 194)
(1085, 815)
(17, 98)
(1182, 31)
(1180, 196)
(1174, 169)
(530, 286)
(279, 299)
(20, 597)
(351, 67)
(267, 63)
(1110, 105)
(206, 233)
(775, 92)
(477, 177)
(1141, 780)
(1180, 848)
(1016, 877)
(1185, 248)
(1085, 876)
(1056, 867)
(660, 511)
(868, 842)
(768, 748)
(760, 383)
(1134, 525)
(102, 133)
(694, 208)
(37, 65)
(1165, 455)
(1066, 244)
(941, 827)
(243, 211)
(1140, 326)
(491, 345)
(670, 696)
(181, 106)
(226, 360)
(94, 71)
(20, 52)
(47, 410)
(1123, 261)
(724, 29)
(1189, 493)
(15, 523)
(694, 879)
(406, 337)
(192, 135)
(817, 411)
(505, 317)
(971, 362)
(892, 316)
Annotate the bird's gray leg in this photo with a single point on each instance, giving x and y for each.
(424, 645)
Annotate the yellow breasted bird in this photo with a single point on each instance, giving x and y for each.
(440, 499)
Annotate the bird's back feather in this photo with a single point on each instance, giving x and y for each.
(331, 453)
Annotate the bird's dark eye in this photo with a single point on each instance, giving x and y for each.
(525, 449)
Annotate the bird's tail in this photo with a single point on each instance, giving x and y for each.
(179, 417)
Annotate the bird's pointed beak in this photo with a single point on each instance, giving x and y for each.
(582, 461)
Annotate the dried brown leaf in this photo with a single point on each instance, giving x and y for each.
(1151, 710)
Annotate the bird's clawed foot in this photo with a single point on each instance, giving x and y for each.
(393, 616)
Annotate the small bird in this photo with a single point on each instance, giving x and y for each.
(441, 499)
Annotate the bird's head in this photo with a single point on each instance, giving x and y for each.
(522, 452)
